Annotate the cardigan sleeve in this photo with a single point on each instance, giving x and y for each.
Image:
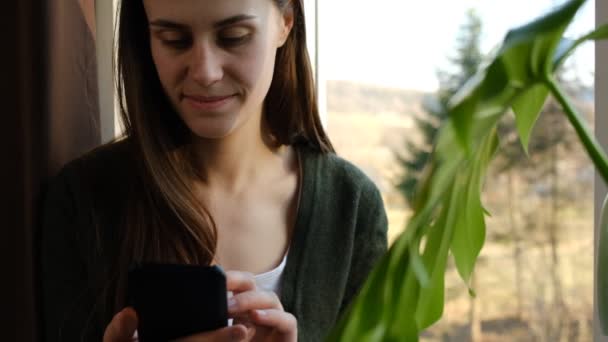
(370, 241)
(67, 304)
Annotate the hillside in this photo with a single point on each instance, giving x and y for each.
(351, 97)
(368, 124)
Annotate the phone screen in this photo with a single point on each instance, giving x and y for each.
(174, 301)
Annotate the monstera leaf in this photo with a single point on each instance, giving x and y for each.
(404, 294)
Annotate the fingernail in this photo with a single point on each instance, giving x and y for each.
(231, 303)
(261, 312)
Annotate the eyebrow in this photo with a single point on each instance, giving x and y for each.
(222, 23)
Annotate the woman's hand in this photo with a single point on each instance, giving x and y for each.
(123, 328)
(258, 316)
(263, 309)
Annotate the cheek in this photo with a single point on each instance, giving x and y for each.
(167, 68)
(256, 68)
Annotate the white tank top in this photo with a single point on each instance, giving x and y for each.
(270, 281)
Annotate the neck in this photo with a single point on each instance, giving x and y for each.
(233, 162)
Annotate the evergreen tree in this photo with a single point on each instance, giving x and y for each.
(463, 65)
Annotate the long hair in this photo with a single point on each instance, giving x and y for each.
(163, 220)
(291, 104)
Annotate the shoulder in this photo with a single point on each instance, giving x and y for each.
(96, 182)
(336, 175)
(85, 202)
(115, 156)
(106, 164)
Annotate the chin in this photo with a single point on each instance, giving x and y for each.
(212, 131)
(210, 126)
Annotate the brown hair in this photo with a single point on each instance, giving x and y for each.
(163, 220)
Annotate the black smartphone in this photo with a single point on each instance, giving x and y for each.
(174, 301)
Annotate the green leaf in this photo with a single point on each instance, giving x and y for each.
(402, 286)
(542, 37)
(363, 319)
(447, 157)
(469, 231)
(599, 33)
(403, 326)
(524, 59)
(470, 228)
(527, 108)
(431, 298)
(568, 45)
(418, 268)
(462, 115)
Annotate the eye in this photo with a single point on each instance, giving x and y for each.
(234, 36)
(177, 43)
(176, 40)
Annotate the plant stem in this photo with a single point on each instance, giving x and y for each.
(594, 149)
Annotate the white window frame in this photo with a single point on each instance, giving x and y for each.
(314, 22)
(601, 121)
(104, 18)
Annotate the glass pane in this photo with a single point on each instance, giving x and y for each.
(384, 65)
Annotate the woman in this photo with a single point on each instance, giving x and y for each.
(224, 161)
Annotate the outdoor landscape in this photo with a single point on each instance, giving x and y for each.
(533, 281)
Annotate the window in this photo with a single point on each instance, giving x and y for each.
(379, 65)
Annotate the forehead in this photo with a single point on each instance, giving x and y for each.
(194, 12)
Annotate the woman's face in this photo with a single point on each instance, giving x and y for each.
(215, 58)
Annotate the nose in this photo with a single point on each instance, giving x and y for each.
(206, 66)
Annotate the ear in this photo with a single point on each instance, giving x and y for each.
(286, 24)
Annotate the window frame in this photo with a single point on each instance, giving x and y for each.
(601, 120)
(104, 37)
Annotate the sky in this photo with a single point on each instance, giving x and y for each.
(401, 43)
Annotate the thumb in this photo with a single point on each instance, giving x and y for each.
(122, 327)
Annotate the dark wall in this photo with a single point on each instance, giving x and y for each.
(22, 163)
(49, 116)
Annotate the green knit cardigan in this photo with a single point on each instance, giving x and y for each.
(340, 232)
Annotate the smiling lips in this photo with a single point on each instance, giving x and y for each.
(207, 102)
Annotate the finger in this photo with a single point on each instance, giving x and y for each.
(122, 327)
(250, 330)
(233, 333)
(242, 319)
(252, 300)
(280, 320)
(240, 281)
